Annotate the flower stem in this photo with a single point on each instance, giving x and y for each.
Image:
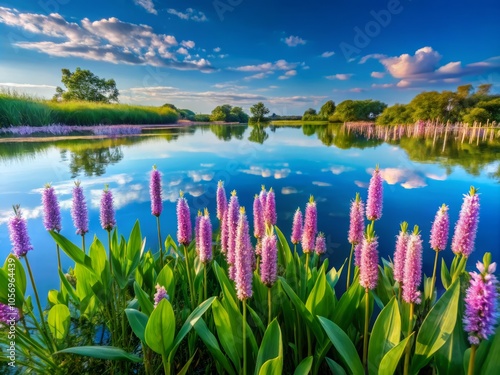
(159, 240)
(269, 306)
(408, 348)
(349, 267)
(109, 248)
(307, 272)
(59, 268)
(205, 294)
(37, 298)
(367, 322)
(244, 337)
(472, 358)
(434, 276)
(83, 243)
(190, 282)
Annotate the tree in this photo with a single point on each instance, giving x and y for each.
(85, 85)
(221, 113)
(259, 110)
(398, 114)
(464, 91)
(310, 112)
(327, 109)
(484, 89)
(241, 116)
(477, 115)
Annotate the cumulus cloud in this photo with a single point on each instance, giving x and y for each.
(188, 44)
(26, 85)
(407, 178)
(377, 74)
(321, 183)
(286, 190)
(147, 4)
(293, 41)
(288, 74)
(382, 85)
(268, 66)
(110, 40)
(267, 172)
(327, 54)
(340, 77)
(189, 14)
(337, 169)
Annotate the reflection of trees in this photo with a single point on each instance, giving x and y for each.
(93, 162)
(336, 135)
(258, 134)
(227, 132)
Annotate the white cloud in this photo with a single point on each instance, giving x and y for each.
(26, 85)
(286, 190)
(267, 172)
(188, 44)
(217, 49)
(183, 51)
(327, 54)
(340, 77)
(293, 41)
(377, 74)
(147, 4)
(321, 183)
(189, 14)
(268, 66)
(258, 76)
(337, 169)
(288, 74)
(409, 179)
(382, 85)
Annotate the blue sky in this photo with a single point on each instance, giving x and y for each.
(291, 55)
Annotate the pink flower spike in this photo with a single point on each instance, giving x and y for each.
(413, 268)
(19, 237)
(243, 258)
(357, 221)
(269, 262)
(155, 192)
(400, 252)
(221, 200)
(310, 226)
(205, 238)
(297, 227)
(259, 226)
(368, 268)
(51, 210)
(440, 228)
(184, 230)
(375, 196)
(270, 215)
(320, 247)
(107, 212)
(232, 226)
(466, 226)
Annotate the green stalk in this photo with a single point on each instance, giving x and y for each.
(159, 240)
(83, 243)
(166, 364)
(59, 263)
(37, 298)
(307, 272)
(434, 276)
(472, 358)
(109, 247)
(400, 291)
(408, 348)
(244, 337)
(269, 305)
(367, 322)
(190, 282)
(349, 267)
(205, 294)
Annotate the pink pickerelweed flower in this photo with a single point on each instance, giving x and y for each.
(243, 258)
(224, 234)
(269, 262)
(310, 226)
(19, 237)
(413, 268)
(440, 229)
(263, 197)
(197, 240)
(221, 200)
(160, 294)
(184, 230)
(466, 226)
(232, 227)
(357, 253)
(368, 267)
(357, 221)
(79, 210)
(400, 252)
(320, 246)
(51, 210)
(297, 227)
(8, 315)
(107, 213)
(155, 192)
(205, 238)
(375, 196)
(270, 215)
(481, 304)
(259, 226)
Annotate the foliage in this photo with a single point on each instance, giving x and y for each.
(476, 115)
(201, 118)
(84, 85)
(228, 113)
(357, 110)
(396, 114)
(259, 111)
(327, 109)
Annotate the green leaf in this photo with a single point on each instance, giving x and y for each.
(185, 368)
(59, 320)
(492, 365)
(285, 254)
(348, 303)
(448, 358)
(8, 286)
(100, 265)
(270, 356)
(166, 279)
(225, 333)
(160, 330)
(304, 367)
(391, 359)
(437, 327)
(445, 275)
(138, 322)
(144, 301)
(74, 252)
(101, 352)
(69, 289)
(135, 242)
(385, 334)
(343, 344)
(321, 299)
(213, 346)
(13, 266)
(333, 275)
(335, 367)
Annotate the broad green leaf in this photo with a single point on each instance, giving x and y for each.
(391, 359)
(437, 327)
(335, 367)
(333, 275)
(13, 266)
(138, 322)
(59, 320)
(304, 367)
(321, 299)
(285, 254)
(228, 290)
(74, 252)
(144, 301)
(213, 346)
(166, 279)
(492, 365)
(7, 286)
(270, 356)
(135, 242)
(160, 330)
(225, 333)
(348, 303)
(185, 368)
(385, 335)
(69, 289)
(445, 275)
(448, 358)
(343, 345)
(101, 352)
(100, 265)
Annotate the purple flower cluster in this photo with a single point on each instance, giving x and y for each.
(184, 230)
(297, 227)
(107, 213)
(155, 192)
(440, 228)
(481, 304)
(243, 258)
(232, 215)
(357, 254)
(375, 196)
(269, 262)
(320, 246)
(259, 226)
(51, 210)
(400, 253)
(79, 210)
(413, 268)
(19, 237)
(8, 314)
(221, 201)
(161, 293)
(263, 197)
(368, 265)
(270, 215)
(197, 240)
(310, 226)
(205, 238)
(357, 221)
(466, 227)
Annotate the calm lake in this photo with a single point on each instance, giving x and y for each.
(325, 161)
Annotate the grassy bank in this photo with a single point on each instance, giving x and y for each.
(16, 110)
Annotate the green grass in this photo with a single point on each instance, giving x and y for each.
(16, 109)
